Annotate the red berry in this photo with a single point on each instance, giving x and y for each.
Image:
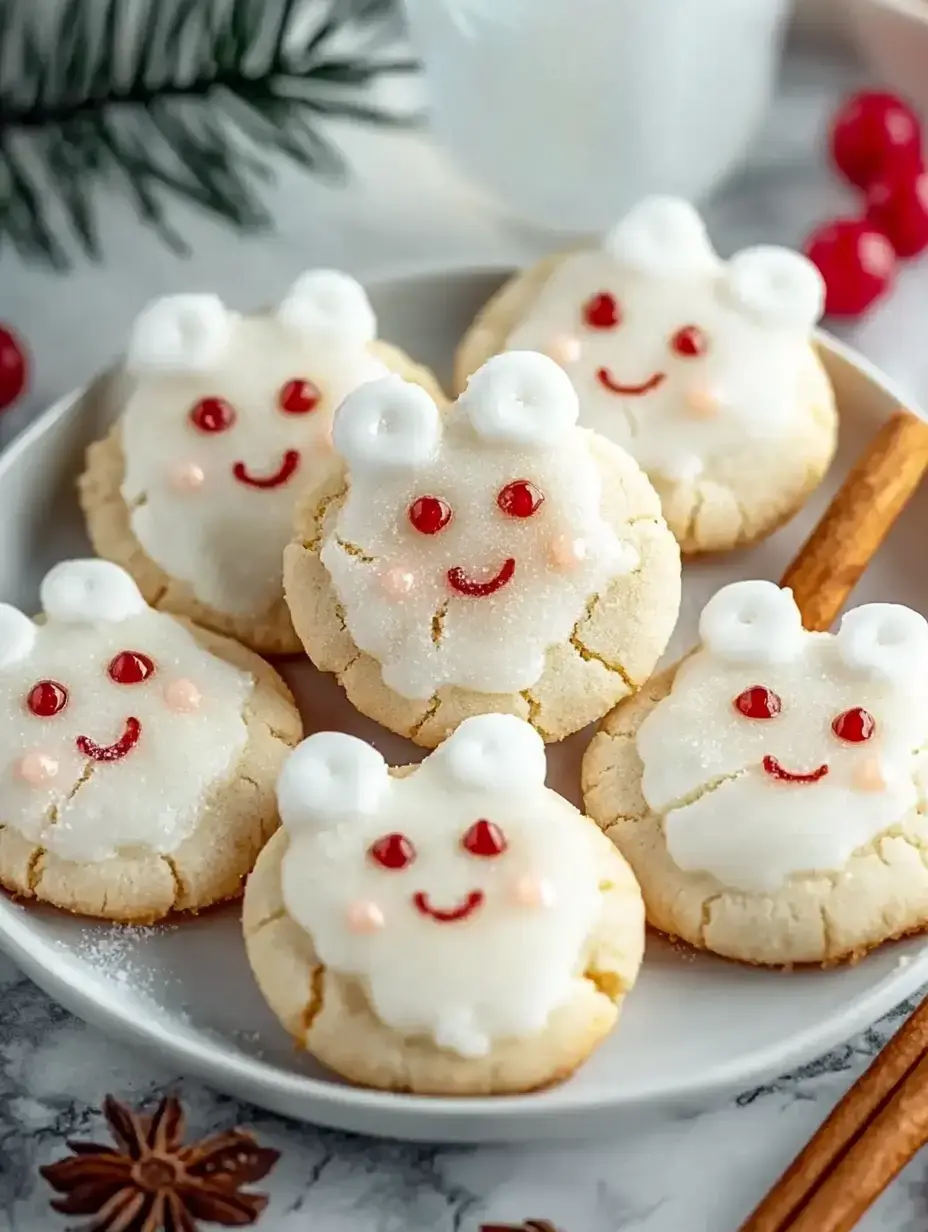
(13, 368)
(857, 263)
(898, 206)
(875, 133)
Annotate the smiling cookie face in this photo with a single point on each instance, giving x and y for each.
(460, 894)
(224, 420)
(469, 543)
(780, 751)
(682, 358)
(115, 723)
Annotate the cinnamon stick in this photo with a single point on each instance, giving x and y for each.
(842, 1146)
(857, 521)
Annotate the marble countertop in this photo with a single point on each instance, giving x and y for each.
(695, 1173)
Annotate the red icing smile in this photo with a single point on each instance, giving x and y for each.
(605, 378)
(464, 585)
(452, 914)
(285, 472)
(112, 752)
(776, 771)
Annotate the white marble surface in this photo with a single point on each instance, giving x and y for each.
(407, 206)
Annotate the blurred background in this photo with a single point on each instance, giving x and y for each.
(156, 145)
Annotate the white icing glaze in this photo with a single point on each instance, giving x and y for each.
(193, 517)
(149, 799)
(180, 333)
(707, 769)
(756, 312)
(397, 586)
(504, 968)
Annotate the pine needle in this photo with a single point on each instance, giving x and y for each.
(184, 99)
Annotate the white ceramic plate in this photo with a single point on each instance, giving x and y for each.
(694, 1030)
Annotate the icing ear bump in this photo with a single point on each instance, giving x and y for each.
(777, 286)
(885, 640)
(17, 635)
(662, 237)
(86, 591)
(329, 308)
(520, 398)
(752, 622)
(329, 778)
(180, 333)
(386, 425)
(493, 752)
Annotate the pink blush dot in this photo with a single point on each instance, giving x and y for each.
(186, 476)
(868, 776)
(703, 403)
(364, 916)
(398, 582)
(182, 696)
(532, 891)
(36, 768)
(564, 349)
(566, 552)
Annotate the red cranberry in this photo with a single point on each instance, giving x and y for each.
(13, 368)
(898, 206)
(875, 133)
(857, 263)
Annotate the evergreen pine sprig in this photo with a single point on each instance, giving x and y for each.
(182, 98)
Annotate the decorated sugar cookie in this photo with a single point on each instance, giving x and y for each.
(494, 557)
(701, 368)
(770, 793)
(139, 754)
(453, 927)
(223, 421)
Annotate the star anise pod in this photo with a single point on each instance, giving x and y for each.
(151, 1182)
(529, 1225)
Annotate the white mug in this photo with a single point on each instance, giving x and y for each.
(570, 110)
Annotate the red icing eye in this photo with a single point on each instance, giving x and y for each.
(47, 698)
(690, 342)
(429, 514)
(484, 838)
(130, 667)
(212, 415)
(854, 726)
(520, 499)
(601, 311)
(298, 397)
(393, 851)
(758, 702)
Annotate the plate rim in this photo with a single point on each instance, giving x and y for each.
(220, 1066)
